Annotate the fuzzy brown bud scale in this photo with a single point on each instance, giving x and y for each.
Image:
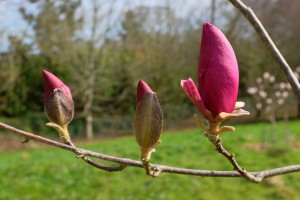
(59, 108)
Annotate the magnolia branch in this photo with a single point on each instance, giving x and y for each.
(263, 34)
(122, 163)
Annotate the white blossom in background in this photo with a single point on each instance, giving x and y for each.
(252, 90)
(282, 85)
(269, 101)
(262, 94)
(258, 106)
(267, 93)
(285, 94)
(280, 101)
(266, 75)
(272, 79)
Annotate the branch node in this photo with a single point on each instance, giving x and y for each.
(153, 171)
(80, 153)
(156, 171)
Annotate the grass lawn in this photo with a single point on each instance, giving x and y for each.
(50, 173)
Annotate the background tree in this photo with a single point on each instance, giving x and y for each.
(102, 49)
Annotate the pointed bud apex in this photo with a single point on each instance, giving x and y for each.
(147, 123)
(142, 89)
(59, 104)
(51, 82)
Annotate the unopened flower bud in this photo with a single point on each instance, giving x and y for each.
(218, 78)
(59, 104)
(148, 119)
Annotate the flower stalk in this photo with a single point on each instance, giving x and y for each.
(62, 131)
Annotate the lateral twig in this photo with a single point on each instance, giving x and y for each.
(216, 140)
(87, 159)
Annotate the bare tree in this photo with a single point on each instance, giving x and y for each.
(93, 62)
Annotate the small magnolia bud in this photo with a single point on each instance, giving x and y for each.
(59, 104)
(148, 119)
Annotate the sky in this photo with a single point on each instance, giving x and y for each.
(12, 23)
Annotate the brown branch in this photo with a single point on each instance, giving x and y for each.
(98, 165)
(124, 162)
(217, 141)
(237, 167)
(263, 34)
(103, 167)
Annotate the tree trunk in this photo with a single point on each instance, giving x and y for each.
(88, 111)
(88, 108)
(89, 126)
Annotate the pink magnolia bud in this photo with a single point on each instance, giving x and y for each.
(218, 75)
(147, 123)
(58, 100)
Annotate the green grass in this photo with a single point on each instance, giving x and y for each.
(50, 173)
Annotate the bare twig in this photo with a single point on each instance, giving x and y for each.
(212, 132)
(98, 165)
(216, 140)
(124, 162)
(263, 34)
(103, 167)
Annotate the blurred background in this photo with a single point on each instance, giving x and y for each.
(101, 49)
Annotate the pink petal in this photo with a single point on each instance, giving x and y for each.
(142, 89)
(191, 90)
(218, 75)
(51, 82)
